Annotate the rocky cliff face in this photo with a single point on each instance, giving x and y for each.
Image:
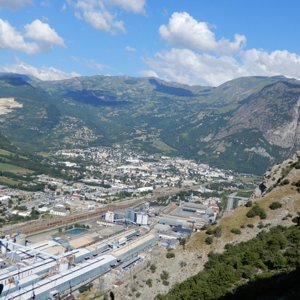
(285, 175)
(274, 111)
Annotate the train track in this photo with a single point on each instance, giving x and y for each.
(42, 225)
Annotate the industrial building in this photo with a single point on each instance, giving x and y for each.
(65, 281)
(42, 271)
(189, 216)
(135, 247)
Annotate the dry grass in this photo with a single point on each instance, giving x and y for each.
(196, 241)
(297, 204)
(286, 195)
(236, 220)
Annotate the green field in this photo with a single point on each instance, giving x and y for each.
(8, 181)
(4, 152)
(13, 169)
(160, 145)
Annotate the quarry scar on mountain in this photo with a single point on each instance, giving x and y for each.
(8, 104)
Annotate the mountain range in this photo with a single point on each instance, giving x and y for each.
(246, 124)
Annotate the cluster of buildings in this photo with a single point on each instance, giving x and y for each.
(189, 216)
(107, 175)
(52, 269)
(121, 169)
(55, 268)
(137, 216)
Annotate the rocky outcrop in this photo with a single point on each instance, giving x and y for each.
(274, 111)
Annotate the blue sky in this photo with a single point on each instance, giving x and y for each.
(203, 42)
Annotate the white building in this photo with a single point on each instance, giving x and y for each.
(109, 216)
(142, 219)
(59, 211)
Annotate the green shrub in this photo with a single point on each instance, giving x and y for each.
(165, 282)
(217, 232)
(209, 231)
(250, 225)
(149, 282)
(296, 220)
(256, 210)
(235, 231)
(209, 240)
(183, 264)
(266, 260)
(164, 275)
(85, 287)
(153, 268)
(260, 225)
(249, 204)
(170, 255)
(285, 182)
(275, 205)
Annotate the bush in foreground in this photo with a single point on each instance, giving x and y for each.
(256, 210)
(275, 205)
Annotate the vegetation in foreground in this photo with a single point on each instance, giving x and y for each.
(269, 258)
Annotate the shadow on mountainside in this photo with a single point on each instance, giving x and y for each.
(285, 286)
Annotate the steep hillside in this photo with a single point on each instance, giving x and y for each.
(256, 245)
(247, 255)
(246, 124)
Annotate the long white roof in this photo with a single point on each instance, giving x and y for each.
(67, 276)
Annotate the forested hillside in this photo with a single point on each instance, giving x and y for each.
(266, 267)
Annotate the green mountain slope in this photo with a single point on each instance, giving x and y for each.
(245, 124)
(271, 258)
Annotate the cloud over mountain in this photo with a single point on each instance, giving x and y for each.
(37, 37)
(43, 73)
(196, 56)
(185, 32)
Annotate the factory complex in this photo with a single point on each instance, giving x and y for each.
(57, 266)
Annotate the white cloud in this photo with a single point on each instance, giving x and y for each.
(135, 6)
(273, 63)
(187, 66)
(185, 32)
(14, 4)
(148, 73)
(43, 33)
(98, 13)
(44, 73)
(37, 36)
(190, 67)
(130, 49)
(197, 57)
(11, 39)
